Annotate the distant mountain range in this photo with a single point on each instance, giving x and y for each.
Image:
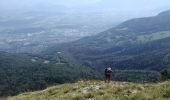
(140, 44)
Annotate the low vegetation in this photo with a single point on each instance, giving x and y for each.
(98, 90)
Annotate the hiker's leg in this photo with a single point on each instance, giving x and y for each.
(109, 78)
(105, 78)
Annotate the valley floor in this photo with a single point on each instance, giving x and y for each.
(98, 90)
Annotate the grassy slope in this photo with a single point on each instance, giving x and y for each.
(153, 36)
(98, 90)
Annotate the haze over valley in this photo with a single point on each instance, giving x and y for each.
(31, 26)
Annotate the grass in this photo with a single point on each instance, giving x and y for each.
(98, 90)
(153, 36)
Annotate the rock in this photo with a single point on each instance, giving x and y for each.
(134, 91)
(85, 89)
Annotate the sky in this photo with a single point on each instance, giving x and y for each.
(136, 7)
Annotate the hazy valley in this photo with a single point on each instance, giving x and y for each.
(33, 31)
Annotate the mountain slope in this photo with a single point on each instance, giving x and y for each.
(25, 72)
(141, 44)
(148, 25)
(98, 90)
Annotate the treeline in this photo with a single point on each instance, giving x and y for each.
(140, 76)
(165, 74)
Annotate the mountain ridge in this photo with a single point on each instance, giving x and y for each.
(135, 35)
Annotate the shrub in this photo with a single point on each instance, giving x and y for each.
(167, 94)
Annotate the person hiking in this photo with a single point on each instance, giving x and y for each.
(108, 72)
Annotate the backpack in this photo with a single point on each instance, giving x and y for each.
(109, 69)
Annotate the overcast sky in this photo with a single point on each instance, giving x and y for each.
(140, 7)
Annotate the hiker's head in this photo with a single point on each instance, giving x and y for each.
(109, 68)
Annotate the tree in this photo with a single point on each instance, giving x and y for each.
(165, 74)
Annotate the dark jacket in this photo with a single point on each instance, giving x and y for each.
(108, 72)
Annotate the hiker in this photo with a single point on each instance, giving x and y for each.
(108, 72)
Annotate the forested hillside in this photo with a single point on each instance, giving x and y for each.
(24, 72)
(137, 44)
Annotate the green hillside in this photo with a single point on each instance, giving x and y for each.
(136, 44)
(25, 72)
(98, 90)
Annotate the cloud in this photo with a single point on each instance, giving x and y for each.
(121, 6)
